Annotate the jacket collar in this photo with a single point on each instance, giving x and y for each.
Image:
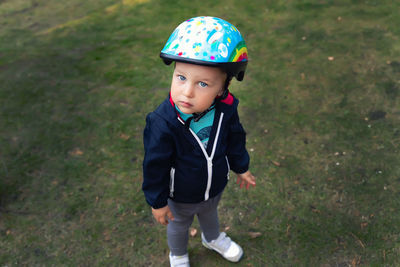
(168, 112)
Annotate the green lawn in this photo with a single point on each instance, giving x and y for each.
(320, 103)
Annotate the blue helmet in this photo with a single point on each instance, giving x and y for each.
(208, 41)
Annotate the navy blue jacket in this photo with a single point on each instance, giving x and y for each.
(176, 165)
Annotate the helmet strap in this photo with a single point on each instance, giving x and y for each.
(197, 116)
(226, 90)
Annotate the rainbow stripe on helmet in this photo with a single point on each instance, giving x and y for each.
(239, 53)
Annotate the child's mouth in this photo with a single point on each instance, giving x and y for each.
(185, 104)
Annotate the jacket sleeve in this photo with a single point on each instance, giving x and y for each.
(237, 154)
(159, 149)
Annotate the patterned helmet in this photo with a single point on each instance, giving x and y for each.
(208, 41)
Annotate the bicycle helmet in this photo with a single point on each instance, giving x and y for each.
(208, 41)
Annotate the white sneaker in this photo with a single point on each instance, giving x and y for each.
(179, 261)
(224, 246)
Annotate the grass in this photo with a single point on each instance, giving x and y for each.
(320, 103)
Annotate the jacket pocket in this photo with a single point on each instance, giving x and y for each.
(229, 167)
(172, 182)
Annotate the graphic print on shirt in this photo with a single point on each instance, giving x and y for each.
(204, 135)
(201, 128)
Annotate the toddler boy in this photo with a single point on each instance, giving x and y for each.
(194, 138)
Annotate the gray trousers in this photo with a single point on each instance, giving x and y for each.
(178, 229)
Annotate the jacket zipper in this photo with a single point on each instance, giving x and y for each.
(208, 158)
(229, 167)
(172, 182)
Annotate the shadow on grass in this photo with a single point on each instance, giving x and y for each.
(46, 115)
(59, 106)
(71, 142)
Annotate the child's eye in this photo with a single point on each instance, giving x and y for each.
(203, 84)
(182, 78)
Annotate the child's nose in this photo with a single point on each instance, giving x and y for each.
(188, 90)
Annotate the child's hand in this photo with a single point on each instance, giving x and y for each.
(162, 214)
(246, 179)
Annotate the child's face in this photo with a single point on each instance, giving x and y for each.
(194, 87)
